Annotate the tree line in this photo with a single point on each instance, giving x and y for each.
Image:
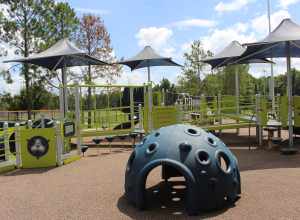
(31, 26)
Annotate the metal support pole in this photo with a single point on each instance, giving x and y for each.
(65, 90)
(59, 143)
(6, 141)
(258, 119)
(141, 119)
(148, 70)
(18, 146)
(150, 122)
(29, 124)
(77, 119)
(237, 95)
(163, 97)
(132, 117)
(61, 103)
(271, 89)
(219, 111)
(290, 95)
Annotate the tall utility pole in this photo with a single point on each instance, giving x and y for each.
(271, 89)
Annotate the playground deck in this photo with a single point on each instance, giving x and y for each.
(92, 188)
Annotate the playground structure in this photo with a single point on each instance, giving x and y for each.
(42, 143)
(210, 169)
(94, 116)
(114, 110)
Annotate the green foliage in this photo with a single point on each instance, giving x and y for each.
(246, 81)
(193, 69)
(29, 27)
(42, 99)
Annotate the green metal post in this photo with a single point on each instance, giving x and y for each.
(220, 110)
(59, 143)
(18, 146)
(150, 106)
(131, 108)
(6, 141)
(258, 119)
(78, 119)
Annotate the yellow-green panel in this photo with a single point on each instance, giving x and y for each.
(38, 147)
(264, 111)
(164, 116)
(93, 132)
(284, 110)
(296, 102)
(203, 107)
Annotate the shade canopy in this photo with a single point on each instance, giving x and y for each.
(274, 45)
(283, 42)
(61, 54)
(230, 54)
(146, 58)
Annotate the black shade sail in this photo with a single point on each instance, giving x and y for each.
(146, 58)
(275, 44)
(230, 54)
(283, 42)
(61, 54)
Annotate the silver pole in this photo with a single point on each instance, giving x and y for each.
(290, 95)
(237, 94)
(131, 108)
(61, 102)
(77, 118)
(59, 143)
(150, 125)
(18, 146)
(149, 78)
(271, 89)
(6, 141)
(259, 130)
(65, 90)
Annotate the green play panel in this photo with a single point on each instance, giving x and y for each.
(38, 147)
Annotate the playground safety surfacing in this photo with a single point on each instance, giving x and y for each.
(92, 188)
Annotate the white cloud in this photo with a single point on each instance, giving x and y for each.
(219, 38)
(93, 11)
(233, 5)
(260, 24)
(154, 36)
(157, 37)
(194, 23)
(286, 3)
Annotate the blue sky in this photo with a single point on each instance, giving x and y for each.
(171, 25)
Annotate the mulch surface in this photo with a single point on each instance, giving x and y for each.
(93, 187)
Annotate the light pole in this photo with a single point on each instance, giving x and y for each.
(271, 89)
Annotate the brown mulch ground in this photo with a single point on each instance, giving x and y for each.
(92, 188)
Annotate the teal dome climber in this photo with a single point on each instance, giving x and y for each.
(210, 169)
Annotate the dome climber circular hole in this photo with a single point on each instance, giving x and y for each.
(157, 134)
(211, 141)
(130, 161)
(152, 148)
(203, 157)
(192, 131)
(223, 162)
